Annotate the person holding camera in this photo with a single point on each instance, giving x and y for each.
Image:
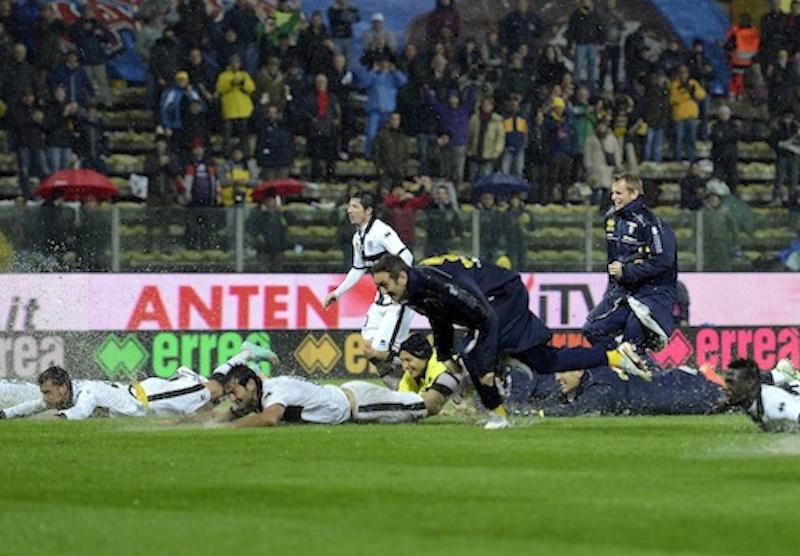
(684, 95)
(234, 87)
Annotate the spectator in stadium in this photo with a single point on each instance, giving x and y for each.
(341, 17)
(243, 20)
(562, 140)
(234, 87)
(443, 223)
(316, 47)
(742, 43)
(402, 206)
(657, 114)
(492, 54)
(392, 152)
(202, 76)
(515, 126)
(602, 158)
(162, 170)
(773, 26)
(614, 26)
(782, 82)
(419, 116)
(783, 136)
(174, 110)
(60, 122)
(93, 236)
(439, 157)
(720, 232)
(724, 147)
(266, 230)
(469, 58)
(487, 141)
(91, 140)
(585, 35)
(537, 156)
(492, 226)
(287, 17)
(454, 119)
(151, 28)
(20, 75)
(27, 124)
(377, 29)
(194, 27)
(517, 222)
(382, 83)
(793, 28)
(283, 51)
(444, 16)
(642, 274)
(520, 26)
(516, 80)
(323, 113)
(271, 85)
(584, 119)
(73, 78)
(165, 61)
(229, 45)
(47, 53)
(549, 68)
(342, 84)
(275, 145)
(683, 97)
(200, 181)
(238, 175)
(673, 57)
(702, 71)
(92, 39)
(57, 233)
(693, 188)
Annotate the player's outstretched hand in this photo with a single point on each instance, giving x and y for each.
(329, 300)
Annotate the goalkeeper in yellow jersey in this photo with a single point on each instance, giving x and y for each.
(425, 375)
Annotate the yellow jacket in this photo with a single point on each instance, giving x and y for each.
(684, 107)
(234, 89)
(434, 368)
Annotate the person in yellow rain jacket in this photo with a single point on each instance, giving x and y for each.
(234, 87)
(684, 94)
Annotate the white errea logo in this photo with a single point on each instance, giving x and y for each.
(631, 227)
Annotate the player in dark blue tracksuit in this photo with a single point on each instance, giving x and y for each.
(492, 304)
(643, 271)
(599, 391)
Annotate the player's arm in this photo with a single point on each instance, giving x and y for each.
(780, 405)
(270, 417)
(24, 409)
(661, 249)
(84, 406)
(395, 246)
(355, 274)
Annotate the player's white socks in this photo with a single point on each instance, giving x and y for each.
(241, 358)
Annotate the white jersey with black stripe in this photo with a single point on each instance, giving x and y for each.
(183, 394)
(373, 242)
(306, 401)
(776, 408)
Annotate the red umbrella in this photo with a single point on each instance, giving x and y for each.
(283, 187)
(76, 184)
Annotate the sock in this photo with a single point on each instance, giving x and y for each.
(238, 359)
(501, 411)
(614, 358)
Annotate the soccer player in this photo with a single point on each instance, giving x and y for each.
(492, 304)
(642, 270)
(387, 323)
(186, 393)
(266, 402)
(425, 375)
(771, 400)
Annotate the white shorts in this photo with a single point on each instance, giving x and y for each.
(378, 404)
(183, 394)
(387, 326)
(14, 392)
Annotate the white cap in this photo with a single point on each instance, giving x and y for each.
(377, 16)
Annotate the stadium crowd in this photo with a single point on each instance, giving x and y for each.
(468, 106)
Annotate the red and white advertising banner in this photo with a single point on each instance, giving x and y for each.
(90, 302)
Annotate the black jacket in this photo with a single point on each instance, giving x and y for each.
(275, 146)
(724, 138)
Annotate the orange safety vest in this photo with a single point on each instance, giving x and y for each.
(748, 41)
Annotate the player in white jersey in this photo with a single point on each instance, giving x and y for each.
(387, 324)
(267, 402)
(771, 400)
(186, 393)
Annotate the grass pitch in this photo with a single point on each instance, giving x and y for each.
(676, 485)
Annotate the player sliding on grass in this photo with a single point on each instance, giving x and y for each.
(492, 304)
(186, 393)
(268, 401)
(771, 400)
(387, 323)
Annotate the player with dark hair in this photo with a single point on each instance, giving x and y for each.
(771, 400)
(266, 402)
(492, 304)
(387, 323)
(643, 274)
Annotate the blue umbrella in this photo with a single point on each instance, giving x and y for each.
(501, 185)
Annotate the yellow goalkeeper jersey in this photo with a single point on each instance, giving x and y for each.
(409, 384)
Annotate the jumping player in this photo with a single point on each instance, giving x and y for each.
(266, 402)
(387, 323)
(492, 304)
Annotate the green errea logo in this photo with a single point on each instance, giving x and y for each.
(121, 358)
(201, 352)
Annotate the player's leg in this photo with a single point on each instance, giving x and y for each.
(13, 392)
(548, 359)
(378, 404)
(250, 353)
(606, 321)
(385, 328)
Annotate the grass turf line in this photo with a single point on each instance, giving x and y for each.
(677, 485)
